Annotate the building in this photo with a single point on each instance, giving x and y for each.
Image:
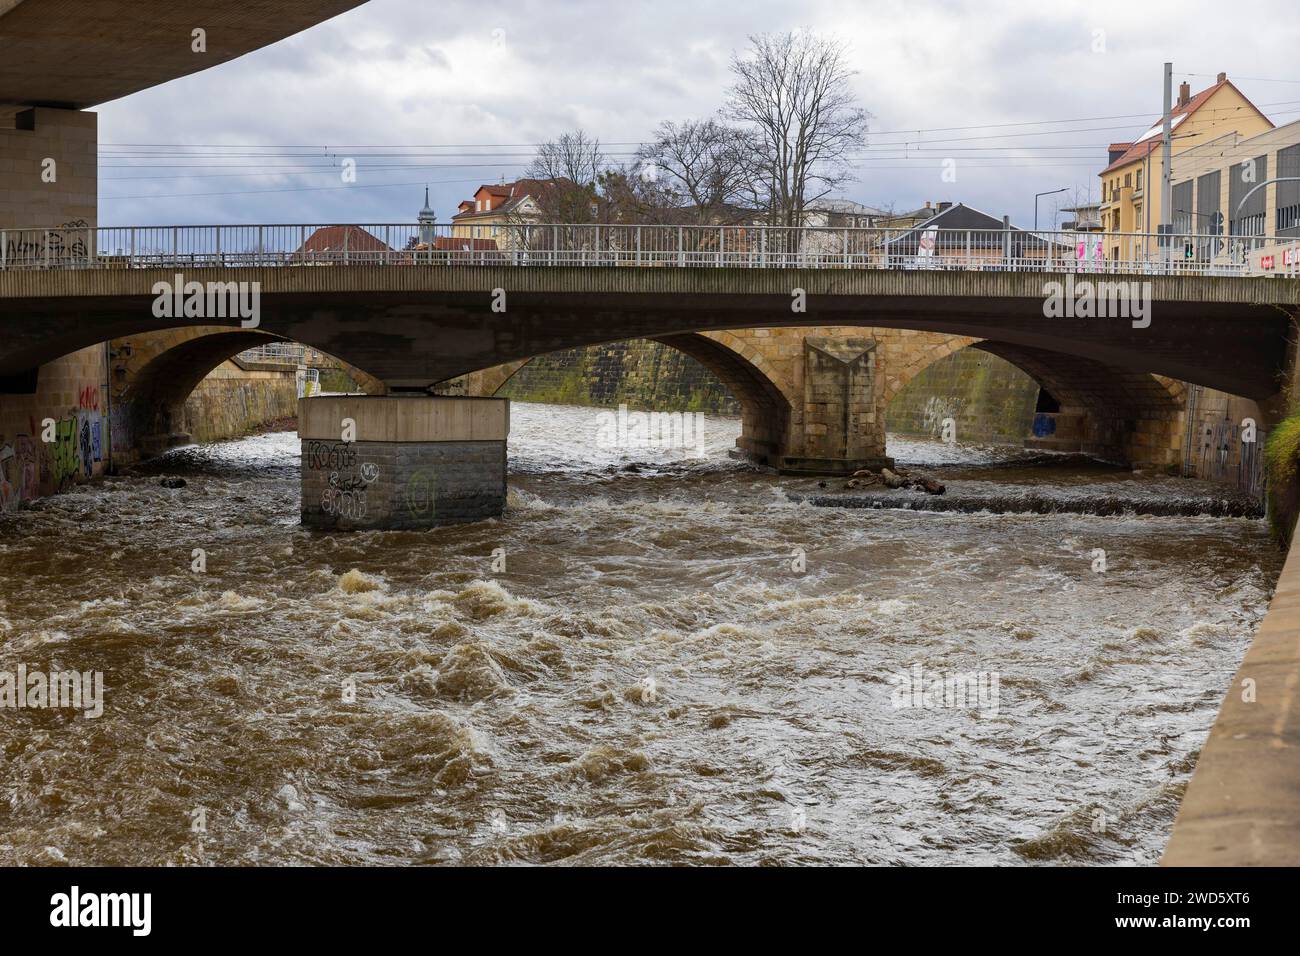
(495, 208)
(1131, 183)
(1215, 185)
(1087, 218)
(967, 235)
(906, 220)
(841, 214)
(350, 243)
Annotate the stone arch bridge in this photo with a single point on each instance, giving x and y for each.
(812, 383)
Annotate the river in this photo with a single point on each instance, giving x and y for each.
(653, 658)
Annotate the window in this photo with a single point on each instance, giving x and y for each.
(1128, 180)
(1245, 177)
(1209, 219)
(1288, 194)
(1183, 215)
(1139, 180)
(1138, 224)
(478, 205)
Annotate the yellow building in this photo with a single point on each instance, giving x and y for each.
(494, 210)
(1131, 184)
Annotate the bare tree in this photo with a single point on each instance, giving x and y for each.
(700, 166)
(792, 93)
(567, 172)
(635, 194)
(573, 156)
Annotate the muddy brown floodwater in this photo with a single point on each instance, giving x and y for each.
(651, 678)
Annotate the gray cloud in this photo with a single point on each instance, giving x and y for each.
(406, 72)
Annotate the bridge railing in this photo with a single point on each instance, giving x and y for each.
(545, 244)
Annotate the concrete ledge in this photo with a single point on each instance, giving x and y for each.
(1242, 807)
(831, 467)
(405, 419)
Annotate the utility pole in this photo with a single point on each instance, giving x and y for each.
(1167, 176)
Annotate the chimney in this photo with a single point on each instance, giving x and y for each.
(1223, 77)
(944, 205)
(1184, 94)
(927, 204)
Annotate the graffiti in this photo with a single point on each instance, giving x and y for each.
(330, 455)
(55, 244)
(345, 498)
(8, 486)
(420, 493)
(29, 468)
(67, 460)
(88, 398)
(19, 472)
(87, 454)
(78, 444)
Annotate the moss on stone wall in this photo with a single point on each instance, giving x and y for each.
(337, 380)
(231, 406)
(639, 373)
(989, 399)
(1281, 456)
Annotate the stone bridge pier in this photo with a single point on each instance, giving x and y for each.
(812, 399)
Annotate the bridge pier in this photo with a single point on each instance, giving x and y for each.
(840, 428)
(399, 462)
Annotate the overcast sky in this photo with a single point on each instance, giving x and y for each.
(457, 74)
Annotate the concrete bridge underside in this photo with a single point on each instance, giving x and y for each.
(813, 384)
(415, 326)
(73, 55)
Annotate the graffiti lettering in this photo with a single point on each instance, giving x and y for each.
(66, 459)
(330, 455)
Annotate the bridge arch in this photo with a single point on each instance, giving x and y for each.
(766, 397)
(154, 374)
(1113, 412)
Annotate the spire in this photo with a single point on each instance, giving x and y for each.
(427, 222)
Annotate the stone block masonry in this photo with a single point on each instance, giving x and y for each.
(414, 463)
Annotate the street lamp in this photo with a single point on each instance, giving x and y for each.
(1037, 196)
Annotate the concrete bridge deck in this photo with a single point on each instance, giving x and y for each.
(421, 324)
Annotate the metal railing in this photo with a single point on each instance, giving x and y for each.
(746, 246)
(284, 353)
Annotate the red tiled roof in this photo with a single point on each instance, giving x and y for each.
(512, 194)
(1140, 150)
(331, 238)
